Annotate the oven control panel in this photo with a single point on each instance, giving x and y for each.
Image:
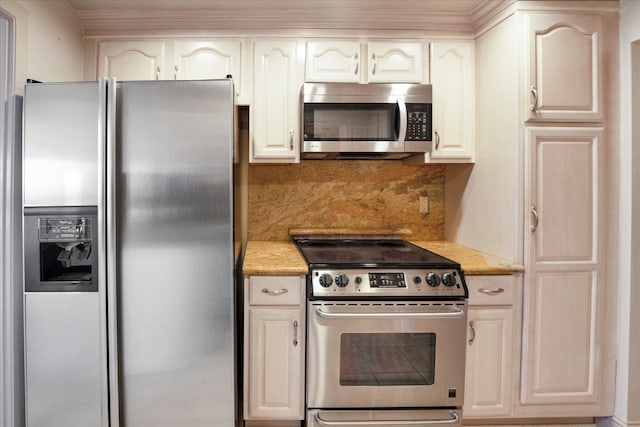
(422, 283)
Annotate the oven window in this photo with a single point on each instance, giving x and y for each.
(351, 122)
(383, 359)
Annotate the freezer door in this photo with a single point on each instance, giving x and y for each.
(174, 253)
(63, 359)
(61, 137)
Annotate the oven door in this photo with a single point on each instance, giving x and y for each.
(385, 355)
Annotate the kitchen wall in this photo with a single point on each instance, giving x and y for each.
(627, 411)
(49, 41)
(345, 193)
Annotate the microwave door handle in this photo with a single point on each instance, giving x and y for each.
(454, 312)
(402, 109)
(453, 420)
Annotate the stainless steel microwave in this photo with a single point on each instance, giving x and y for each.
(365, 121)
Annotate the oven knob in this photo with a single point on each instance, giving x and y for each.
(358, 280)
(448, 279)
(326, 280)
(417, 280)
(433, 279)
(342, 280)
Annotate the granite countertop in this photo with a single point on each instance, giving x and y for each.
(282, 258)
(472, 261)
(273, 258)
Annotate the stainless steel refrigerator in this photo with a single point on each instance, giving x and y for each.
(129, 254)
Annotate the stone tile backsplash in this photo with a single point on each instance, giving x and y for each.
(345, 194)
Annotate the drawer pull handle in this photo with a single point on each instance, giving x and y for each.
(275, 292)
(491, 291)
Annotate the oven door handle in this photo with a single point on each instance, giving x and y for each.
(453, 420)
(454, 313)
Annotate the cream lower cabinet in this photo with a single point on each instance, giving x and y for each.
(274, 330)
(491, 346)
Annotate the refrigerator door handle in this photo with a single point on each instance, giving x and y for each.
(102, 257)
(110, 214)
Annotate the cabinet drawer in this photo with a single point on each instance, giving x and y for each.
(491, 290)
(275, 290)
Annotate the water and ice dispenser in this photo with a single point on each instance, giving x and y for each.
(60, 249)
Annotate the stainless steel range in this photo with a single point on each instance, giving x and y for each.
(386, 334)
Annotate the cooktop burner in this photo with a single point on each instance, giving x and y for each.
(373, 268)
(368, 253)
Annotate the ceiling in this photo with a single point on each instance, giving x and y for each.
(457, 6)
(123, 17)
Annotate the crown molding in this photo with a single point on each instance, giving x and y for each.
(316, 17)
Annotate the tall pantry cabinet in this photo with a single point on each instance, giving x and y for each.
(543, 123)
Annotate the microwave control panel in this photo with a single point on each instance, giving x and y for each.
(418, 122)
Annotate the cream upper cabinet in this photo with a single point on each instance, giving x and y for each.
(565, 66)
(395, 62)
(564, 296)
(382, 61)
(333, 61)
(274, 348)
(132, 60)
(274, 112)
(173, 59)
(452, 80)
(491, 349)
(208, 59)
(453, 100)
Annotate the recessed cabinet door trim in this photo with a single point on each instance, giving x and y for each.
(565, 66)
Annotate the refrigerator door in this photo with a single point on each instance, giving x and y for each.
(63, 360)
(61, 137)
(175, 253)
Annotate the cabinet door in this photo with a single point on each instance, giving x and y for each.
(275, 373)
(453, 99)
(333, 61)
(132, 60)
(564, 71)
(401, 62)
(489, 362)
(207, 59)
(274, 110)
(564, 295)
